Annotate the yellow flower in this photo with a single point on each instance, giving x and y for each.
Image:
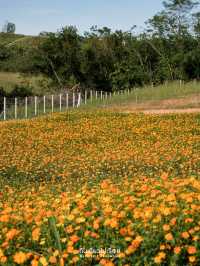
(43, 261)
(80, 220)
(1, 253)
(19, 257)
(192, 259)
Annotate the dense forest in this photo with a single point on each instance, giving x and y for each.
(168, 49)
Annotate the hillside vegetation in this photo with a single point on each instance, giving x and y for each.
(167, 50)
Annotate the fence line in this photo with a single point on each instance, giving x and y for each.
(28, 107)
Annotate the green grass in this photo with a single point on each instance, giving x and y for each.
(19, 40)
(39, 84)
(172, 90)
(6, 38)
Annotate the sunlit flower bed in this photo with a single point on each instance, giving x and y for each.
(100, 189)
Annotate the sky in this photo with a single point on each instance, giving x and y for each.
(33, 16)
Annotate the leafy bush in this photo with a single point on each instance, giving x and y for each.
(21, 91)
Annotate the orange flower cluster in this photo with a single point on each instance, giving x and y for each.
(100, 188)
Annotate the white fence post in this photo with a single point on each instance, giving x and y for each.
(79, 100)
(44, 102)
(91, 96)
(73, 100)
(26, 111)
(52, 103)
(4, 108)
(60, 102)
(35, 105)
(15, 108)
(106, 95)
(101, 95)
(85, 97)
(67, 101)
(96, 95)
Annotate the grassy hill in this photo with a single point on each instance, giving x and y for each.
(6, 38)
(19, 50)
(19, 40)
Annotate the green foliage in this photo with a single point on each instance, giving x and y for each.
(105, 60)
(21, 91)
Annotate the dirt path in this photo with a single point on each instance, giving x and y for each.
(172, 111)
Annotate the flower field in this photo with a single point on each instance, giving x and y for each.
(100, 188)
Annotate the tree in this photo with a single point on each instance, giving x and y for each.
(59, 56)
(180, 10)
(9, 27)
(196, 18)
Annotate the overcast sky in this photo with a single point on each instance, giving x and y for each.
(34, 16)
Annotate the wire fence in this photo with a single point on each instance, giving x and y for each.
(147, 98)
(29, 107)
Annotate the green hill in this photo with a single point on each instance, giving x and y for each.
(19, 40)
(6, 38)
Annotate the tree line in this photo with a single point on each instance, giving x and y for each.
(168, 49)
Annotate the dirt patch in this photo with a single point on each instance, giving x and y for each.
(189, 104)
(172, 111)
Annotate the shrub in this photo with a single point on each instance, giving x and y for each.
(21, 91)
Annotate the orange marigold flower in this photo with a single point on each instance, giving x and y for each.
(177, 250)
(53, 260)
(3, 259)
(169, 237)
(19, 257)
(70, 249)
(34, 262)
(36, 234)
(188, 220)
(4, 218)
(105, 262)
(74, 238)
(113, 223)
(162, 247)
(123, 231)
(166, 227)
(191, 250)
(185, 235)
(96, 225)
(160, 257)
(173, 221)
(11, 234)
